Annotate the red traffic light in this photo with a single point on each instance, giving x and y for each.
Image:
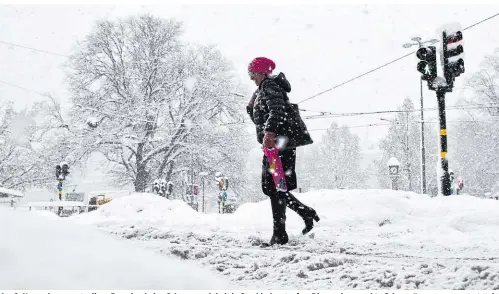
(458, 36)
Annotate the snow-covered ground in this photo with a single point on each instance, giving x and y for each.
(366, 239)
(39, 250)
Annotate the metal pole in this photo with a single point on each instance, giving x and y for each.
(204, 206)
(445, 178)
(420, 44)
(408, 164)
(423, 151)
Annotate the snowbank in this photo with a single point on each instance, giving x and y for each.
(366, 239)
(42, 252)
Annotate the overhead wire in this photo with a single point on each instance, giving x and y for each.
(389, 124)
(355, 78)
(323, 114)
(385, 64)
(320, 116)
(34, 49)
(347, 114)
(309, 98)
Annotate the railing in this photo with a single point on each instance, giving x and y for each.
(60, 205)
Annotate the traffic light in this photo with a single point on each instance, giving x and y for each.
(454, 68)
(65, 169)
(58, 171)
(428, 64)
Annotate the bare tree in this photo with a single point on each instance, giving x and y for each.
(142, 92)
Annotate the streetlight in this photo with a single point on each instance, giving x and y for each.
(418, 43)
(407, 162)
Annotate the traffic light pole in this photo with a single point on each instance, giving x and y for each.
(445, 177)
(427, 66)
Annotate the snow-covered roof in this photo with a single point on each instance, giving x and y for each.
(11, 192)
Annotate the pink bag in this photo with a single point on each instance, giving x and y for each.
(276, 168)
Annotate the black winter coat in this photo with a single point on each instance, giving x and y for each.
(272, 112)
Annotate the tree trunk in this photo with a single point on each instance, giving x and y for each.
(141, 179)
(169, 172)
(142, 175)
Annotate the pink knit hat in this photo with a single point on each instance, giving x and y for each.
(261, 64)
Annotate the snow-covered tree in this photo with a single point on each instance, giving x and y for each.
(475, 148)
(475, 139)
(484, 85)
(140, 96)
(22, 160)
(403, 142)
(216, 149)
(332, 163)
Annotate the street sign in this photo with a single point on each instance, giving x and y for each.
(80, 197)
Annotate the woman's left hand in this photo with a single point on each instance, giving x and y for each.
(269, 140)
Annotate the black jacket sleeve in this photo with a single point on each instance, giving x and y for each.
(274, 99)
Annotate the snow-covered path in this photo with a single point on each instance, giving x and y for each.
(39, 250)
(367, 239)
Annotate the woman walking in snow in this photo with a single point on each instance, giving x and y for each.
(277, 121)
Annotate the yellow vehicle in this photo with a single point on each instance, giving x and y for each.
(98, 200)
(103, 200)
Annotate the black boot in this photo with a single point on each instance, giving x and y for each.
(308, 214)
(279, 236)
(309, 220)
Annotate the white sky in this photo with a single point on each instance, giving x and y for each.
(316, 46)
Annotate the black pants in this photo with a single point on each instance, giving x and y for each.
(279, 200)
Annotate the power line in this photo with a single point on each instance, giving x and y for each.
(309, 98)
(386, 64)
(34, 49)
(350, 127)
(23, 88)
(484, 20)
(386, 124)
(322, 115)
(359, 76)
(346, 114)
